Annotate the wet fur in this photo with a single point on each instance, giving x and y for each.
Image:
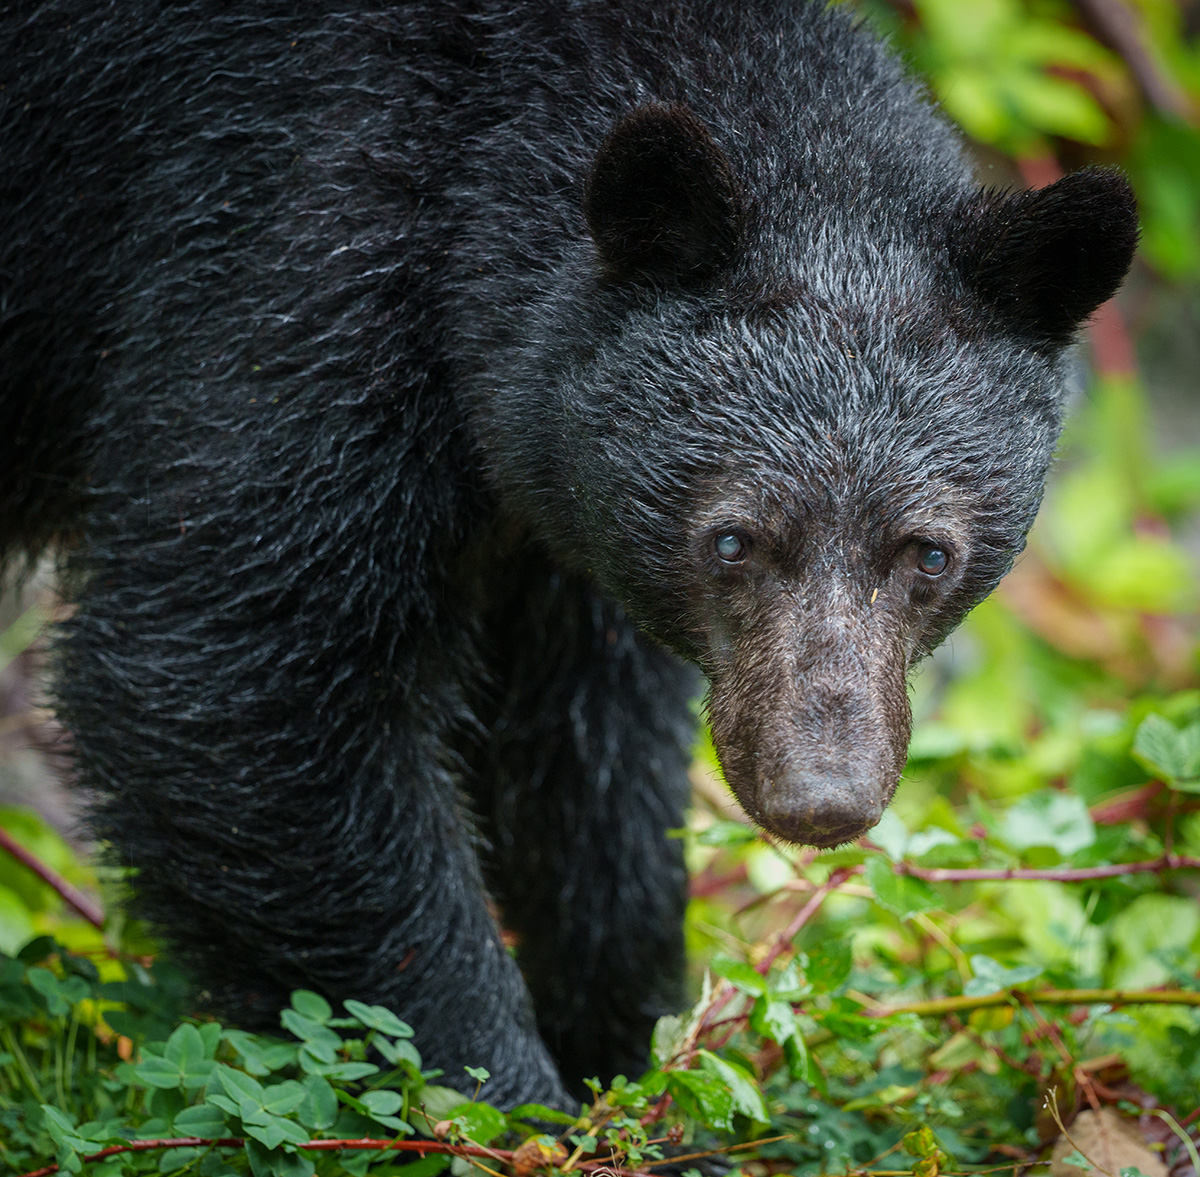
(367, 456)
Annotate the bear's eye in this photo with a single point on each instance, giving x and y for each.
(731, 548)
(931, 559)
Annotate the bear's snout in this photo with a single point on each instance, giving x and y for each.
(819, 808)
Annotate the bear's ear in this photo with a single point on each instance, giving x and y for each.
(1047, 258)
(662, 202)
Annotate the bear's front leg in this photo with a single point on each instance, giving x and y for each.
(583, 772)
(273, 768)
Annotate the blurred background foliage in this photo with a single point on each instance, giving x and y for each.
(1058, 732)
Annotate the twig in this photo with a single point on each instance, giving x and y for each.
(946, 1005)
(783, 941)
(70, 894)
(712, 1152)
(1053, 874)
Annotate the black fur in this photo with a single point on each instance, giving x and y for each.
(390, 372)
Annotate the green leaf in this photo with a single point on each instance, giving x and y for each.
(275, 1130)
(49, 986)
(282, 1098)
(203, 1119)
(158, 1072)
(478, 1074)
(829, 965)
(338, 1072)
(383, 1103)
(311, 1006)
(744, 1092)
(992, 977)
(261, 1056)
(890, 835)
(236, 1084)
(178, 1158)
(539, 1111)
(428, 1166)
(378, 1017)
(398, 1053)
(440, 1103)
(747, 979)
(900, 894)
(1169, 752)
(267, 1162)
(480, 1123)
(184, 1046)
(729, 834)
(703, 1097)
(319, 1106)
(310, 1031)
(774, 1019)
(1049, 818)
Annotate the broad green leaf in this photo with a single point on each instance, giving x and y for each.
(201, 1120)
(319, 1106)
(539, 1111)
(185, 1046)
(311, 1005)
(1049, 818)
(178, 1158)
(900, 894)
(386, 1103)
(273, 1131)
(439, 1103)
(282, 1098)
(1170, 752)
(235, 1084)
(480, 1123)
(1148, 928)
(774, 1019)
(398, 1052)
(49, 986)
(158, 1072)
(261, 1056)
(702, 1096)
(743, 1091)
(746, 978)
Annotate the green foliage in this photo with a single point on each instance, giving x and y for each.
(1025, 78)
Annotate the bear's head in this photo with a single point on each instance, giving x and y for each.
(800, 444)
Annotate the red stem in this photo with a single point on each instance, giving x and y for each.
(71, 895)
(784, 940)
(361, 1145)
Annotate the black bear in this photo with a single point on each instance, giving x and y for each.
(415, 390)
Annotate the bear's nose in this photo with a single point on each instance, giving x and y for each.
(819, 808)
